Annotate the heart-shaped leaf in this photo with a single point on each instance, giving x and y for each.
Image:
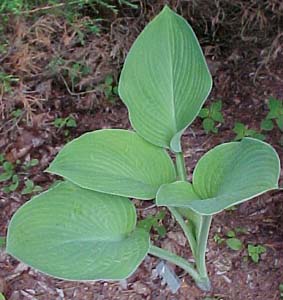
(115, 161)
(227, 175)
(77, 234)
(165, 80)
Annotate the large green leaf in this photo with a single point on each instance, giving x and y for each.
(165, 80)
(115, 161)
(227, 175)
(77, 234)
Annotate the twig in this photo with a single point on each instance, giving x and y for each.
(73, 93)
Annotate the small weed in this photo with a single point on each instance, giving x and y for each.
(275, 114)
(211, 116)
(154, 222)
(254, 252)
(6, 82)
(65, 123)
(218, 239)
(274, 117)
(231, 239)
(242, 131)
(109, 88)
(31, 163)
(16, 113)
(8, 170)
(13, 180)
(30, 187)
(13, 184)
(75, 72)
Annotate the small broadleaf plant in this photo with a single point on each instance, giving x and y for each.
(85, 227)
(211, 115)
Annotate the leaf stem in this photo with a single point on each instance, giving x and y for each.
(202, 244)
(175, 259)
(180, 166)
(186, 228)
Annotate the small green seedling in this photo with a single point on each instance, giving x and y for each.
(65, 123)
(17, 113)
(242, 131)
(255, 252)
(6, 82)
(234, 243)
(13, 185)
(231, 240)
(30, 188)
(275, 115)
(155, 223)
(8, 170)
(210, 116)
(30, 164)
(218, 239)
(109, 88)
(85, 227)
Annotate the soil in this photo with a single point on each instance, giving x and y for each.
(244, 90)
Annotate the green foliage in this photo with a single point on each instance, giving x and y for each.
(218, 239)
(254, 252)
(80, 226)
(218, 187)
(6, 82)
(274, 116)
(129, 167)
(234, 243)
(210, 116)
(13, 185)
(30, 187)
(242, 131)
(30, 164)
(170, 86)
(109, 88)
(16, 113)
(13, 180)
(155, 223)
(65, 123)
(8, 170)
(85, 228)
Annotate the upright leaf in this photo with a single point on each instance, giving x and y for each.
(229, 174)
(77, 234)
(165, 80)
(115, 161)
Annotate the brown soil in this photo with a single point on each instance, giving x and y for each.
(244, 89)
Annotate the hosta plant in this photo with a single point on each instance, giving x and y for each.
(85, 227)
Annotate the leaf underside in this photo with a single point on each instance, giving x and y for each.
(77, 234)
(165, 80)
(227, 175)
(116, 162)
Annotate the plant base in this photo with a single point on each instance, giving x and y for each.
(204, 284)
